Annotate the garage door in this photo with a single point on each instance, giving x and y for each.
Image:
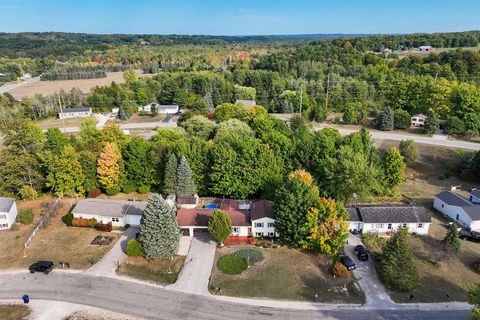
(198, 232)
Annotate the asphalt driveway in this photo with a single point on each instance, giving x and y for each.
(195, 274)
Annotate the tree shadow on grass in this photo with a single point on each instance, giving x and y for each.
(339, 290)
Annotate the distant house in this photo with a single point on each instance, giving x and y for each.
(115, 112)
(118, 212)
(248, 219)
(426, 49)
(388, 218)
(71, 113)
(460, 209)
(8, 213)
(418, 120)
(160, 108)
(246, 103)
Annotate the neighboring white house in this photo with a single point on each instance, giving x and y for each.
(160, 108)
(388, 218)
(246, 103)
(248, 219)
(464, 211)
(8, 213)
(418, 120)
(118, 212)
(70, 113)
(426, 49)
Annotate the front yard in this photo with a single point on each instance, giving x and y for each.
(57, 242)
(163, 272)
(449, 279)
(14, 312)
(284, 274)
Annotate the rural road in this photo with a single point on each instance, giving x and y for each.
(152, 302)
(13, 85)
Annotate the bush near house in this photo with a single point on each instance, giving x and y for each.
(25, 216)
(232, 264)
(106, 227)
(144, 189)
(339, 270)
(84, 223)
(94, 193)
(129, 188)
(68, 219)
(249, 256)
(133, 249)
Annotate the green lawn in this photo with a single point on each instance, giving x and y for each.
(14, 312)
(285, 274)
(162, 272)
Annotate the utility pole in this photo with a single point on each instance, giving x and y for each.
(328, 89)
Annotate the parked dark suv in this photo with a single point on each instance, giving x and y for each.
(347, 262)
(361, 252)
(41, 266)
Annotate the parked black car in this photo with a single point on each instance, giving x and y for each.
(42, 266)
(347, 262)
(361, 252)
(469, 235)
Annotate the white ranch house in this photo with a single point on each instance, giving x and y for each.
(161, 108)
(71, 113)
(388, 218)
(460, 209)
(8, 213)
(118, 212)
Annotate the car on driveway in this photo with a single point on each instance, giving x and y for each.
(348, 263)
(42, 266)
(361, 252)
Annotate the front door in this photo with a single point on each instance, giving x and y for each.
(249, 232)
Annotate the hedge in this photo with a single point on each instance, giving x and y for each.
(85, 223)
(25, 216)
(68, 219)
(144, 189)
(133, 249)
(231, 264)
(129, 188)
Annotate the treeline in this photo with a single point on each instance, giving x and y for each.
(73, 72)
(244, 153)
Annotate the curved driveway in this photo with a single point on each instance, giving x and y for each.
(153, 302)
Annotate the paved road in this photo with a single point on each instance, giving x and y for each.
(152, 302)
(195, 274)
(12, 85)
(128, 126)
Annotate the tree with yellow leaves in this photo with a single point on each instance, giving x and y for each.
(327, 228)
(109, 168)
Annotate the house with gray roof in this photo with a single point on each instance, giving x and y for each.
(71, 113)
(8, 213)
(118, 212)
(388, 218)
(460, 209)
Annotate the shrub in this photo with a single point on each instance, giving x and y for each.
(94, 193)
(219, 226)
(455, 126)
(112, 191)
(25, 216)
(129, 188)
(85, 223)
(339, 270)
(15, 227)
(409, 151)
(133, 249)
(249, 256)
(107, 227)
(28, 193)
(231, 264)
(401, 119)
(144, 189)
(68, 219)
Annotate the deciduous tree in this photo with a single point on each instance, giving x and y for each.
(109, 167)
(66, 176)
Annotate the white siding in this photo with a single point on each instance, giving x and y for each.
(120, 223)
(10, 217)
(419, 228)
(240, 231)
(454, 211)
(133, 219)
(264, 230)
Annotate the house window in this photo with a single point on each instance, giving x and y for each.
(115, 220)
(404, 225)
(389, 226)
(457, 217)
(271, 224)
(258, 234)
(379, 226)
(258, 224)
(271, 234)
(236, 230)
(443, 206)
(2, 216)
(5, 225)
(420, 225)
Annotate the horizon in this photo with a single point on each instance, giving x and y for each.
(239, 18)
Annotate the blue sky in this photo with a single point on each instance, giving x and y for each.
(239, 17)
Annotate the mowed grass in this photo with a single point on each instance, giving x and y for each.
(55, 122)
(162, 272)
(14, 312)
(57, 242)
(284, 274)
(136, 118)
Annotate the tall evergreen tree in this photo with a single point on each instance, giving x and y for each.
(452, 238)
(66, 176)
(170, 177)
(185, 184)
(159, 232)
(396, 266)
(386, 120)
(431, 123)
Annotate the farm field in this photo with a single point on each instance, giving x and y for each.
(50, 87)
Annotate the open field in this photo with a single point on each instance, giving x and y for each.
(59, 123)
(285, 274)
(136, 118)
(14, 312)
(162, 272)
(57, 242)
(50, 87)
